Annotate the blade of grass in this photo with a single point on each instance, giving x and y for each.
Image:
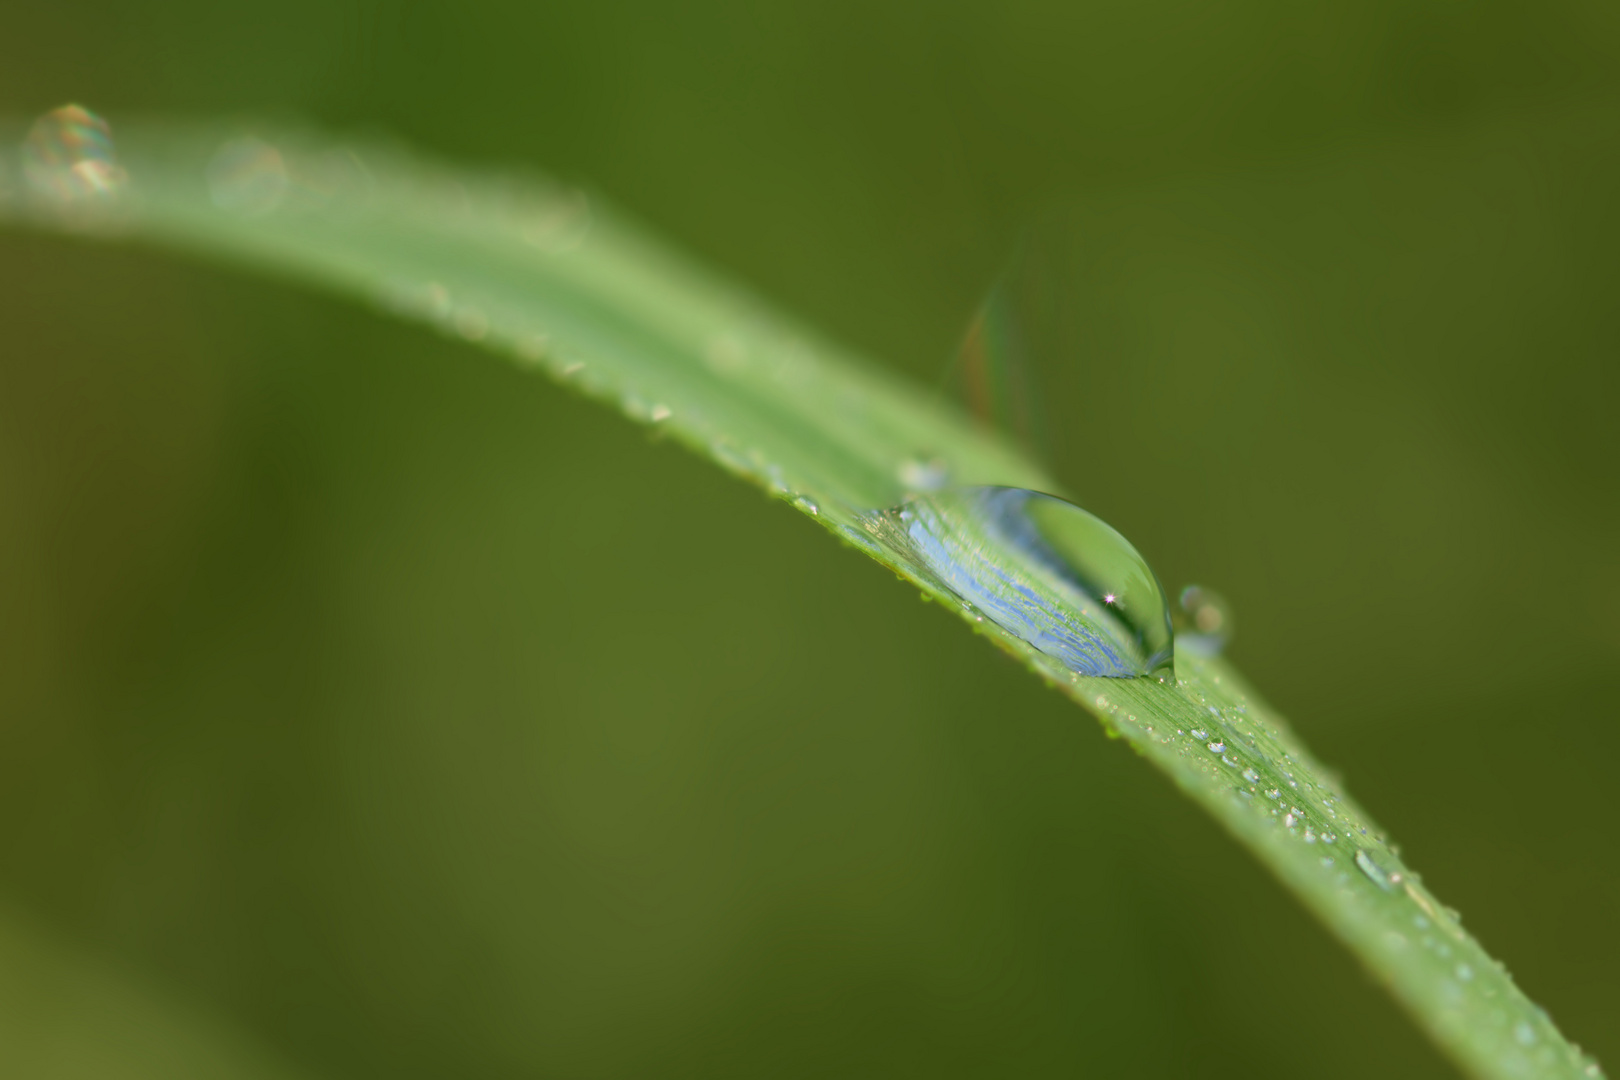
(549, 277)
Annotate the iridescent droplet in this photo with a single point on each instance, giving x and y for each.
(247, 176)
(807, 504)
(69, 159)
(1203, 621)
(1042, 569)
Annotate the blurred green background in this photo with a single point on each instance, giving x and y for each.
(370, 708)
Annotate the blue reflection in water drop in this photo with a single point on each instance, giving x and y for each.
(1045, 571)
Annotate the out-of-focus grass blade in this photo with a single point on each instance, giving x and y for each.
(548, 276)
(66, 1016)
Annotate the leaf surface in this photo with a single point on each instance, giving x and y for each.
(548, 276)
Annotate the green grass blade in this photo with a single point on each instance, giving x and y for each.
(549, 277)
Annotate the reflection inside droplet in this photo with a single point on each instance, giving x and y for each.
(69, 158)
(1042, 569)
(247, 176)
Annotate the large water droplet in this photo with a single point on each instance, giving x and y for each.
(1045, 571)
(1203, 621)
(68, 159)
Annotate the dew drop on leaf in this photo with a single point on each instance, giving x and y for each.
(1045, 571)
(247, 176)
(1374, 872)
(69, 159)
(1203, 621)
(930, 475)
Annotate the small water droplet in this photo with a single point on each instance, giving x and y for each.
(807, 504)
(434, 302)
(1310, 837)
(1374, 872)
(922, 476)
(1203, 621)
(247, 176)
(660, 413)
(70, 162)
(1251, 776)
(1289, 820)
(1200, 734)
(1273, 793)
(636, 408)
(1465, 973)
(471, 323)
(532, 348)
(735, 461)
(559, 225)
(1217, 747)
(1040, 567)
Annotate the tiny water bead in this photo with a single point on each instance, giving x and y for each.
(69, 159)
(1045, 571)
(247, 176)
(930, 475)
(1203, 621)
